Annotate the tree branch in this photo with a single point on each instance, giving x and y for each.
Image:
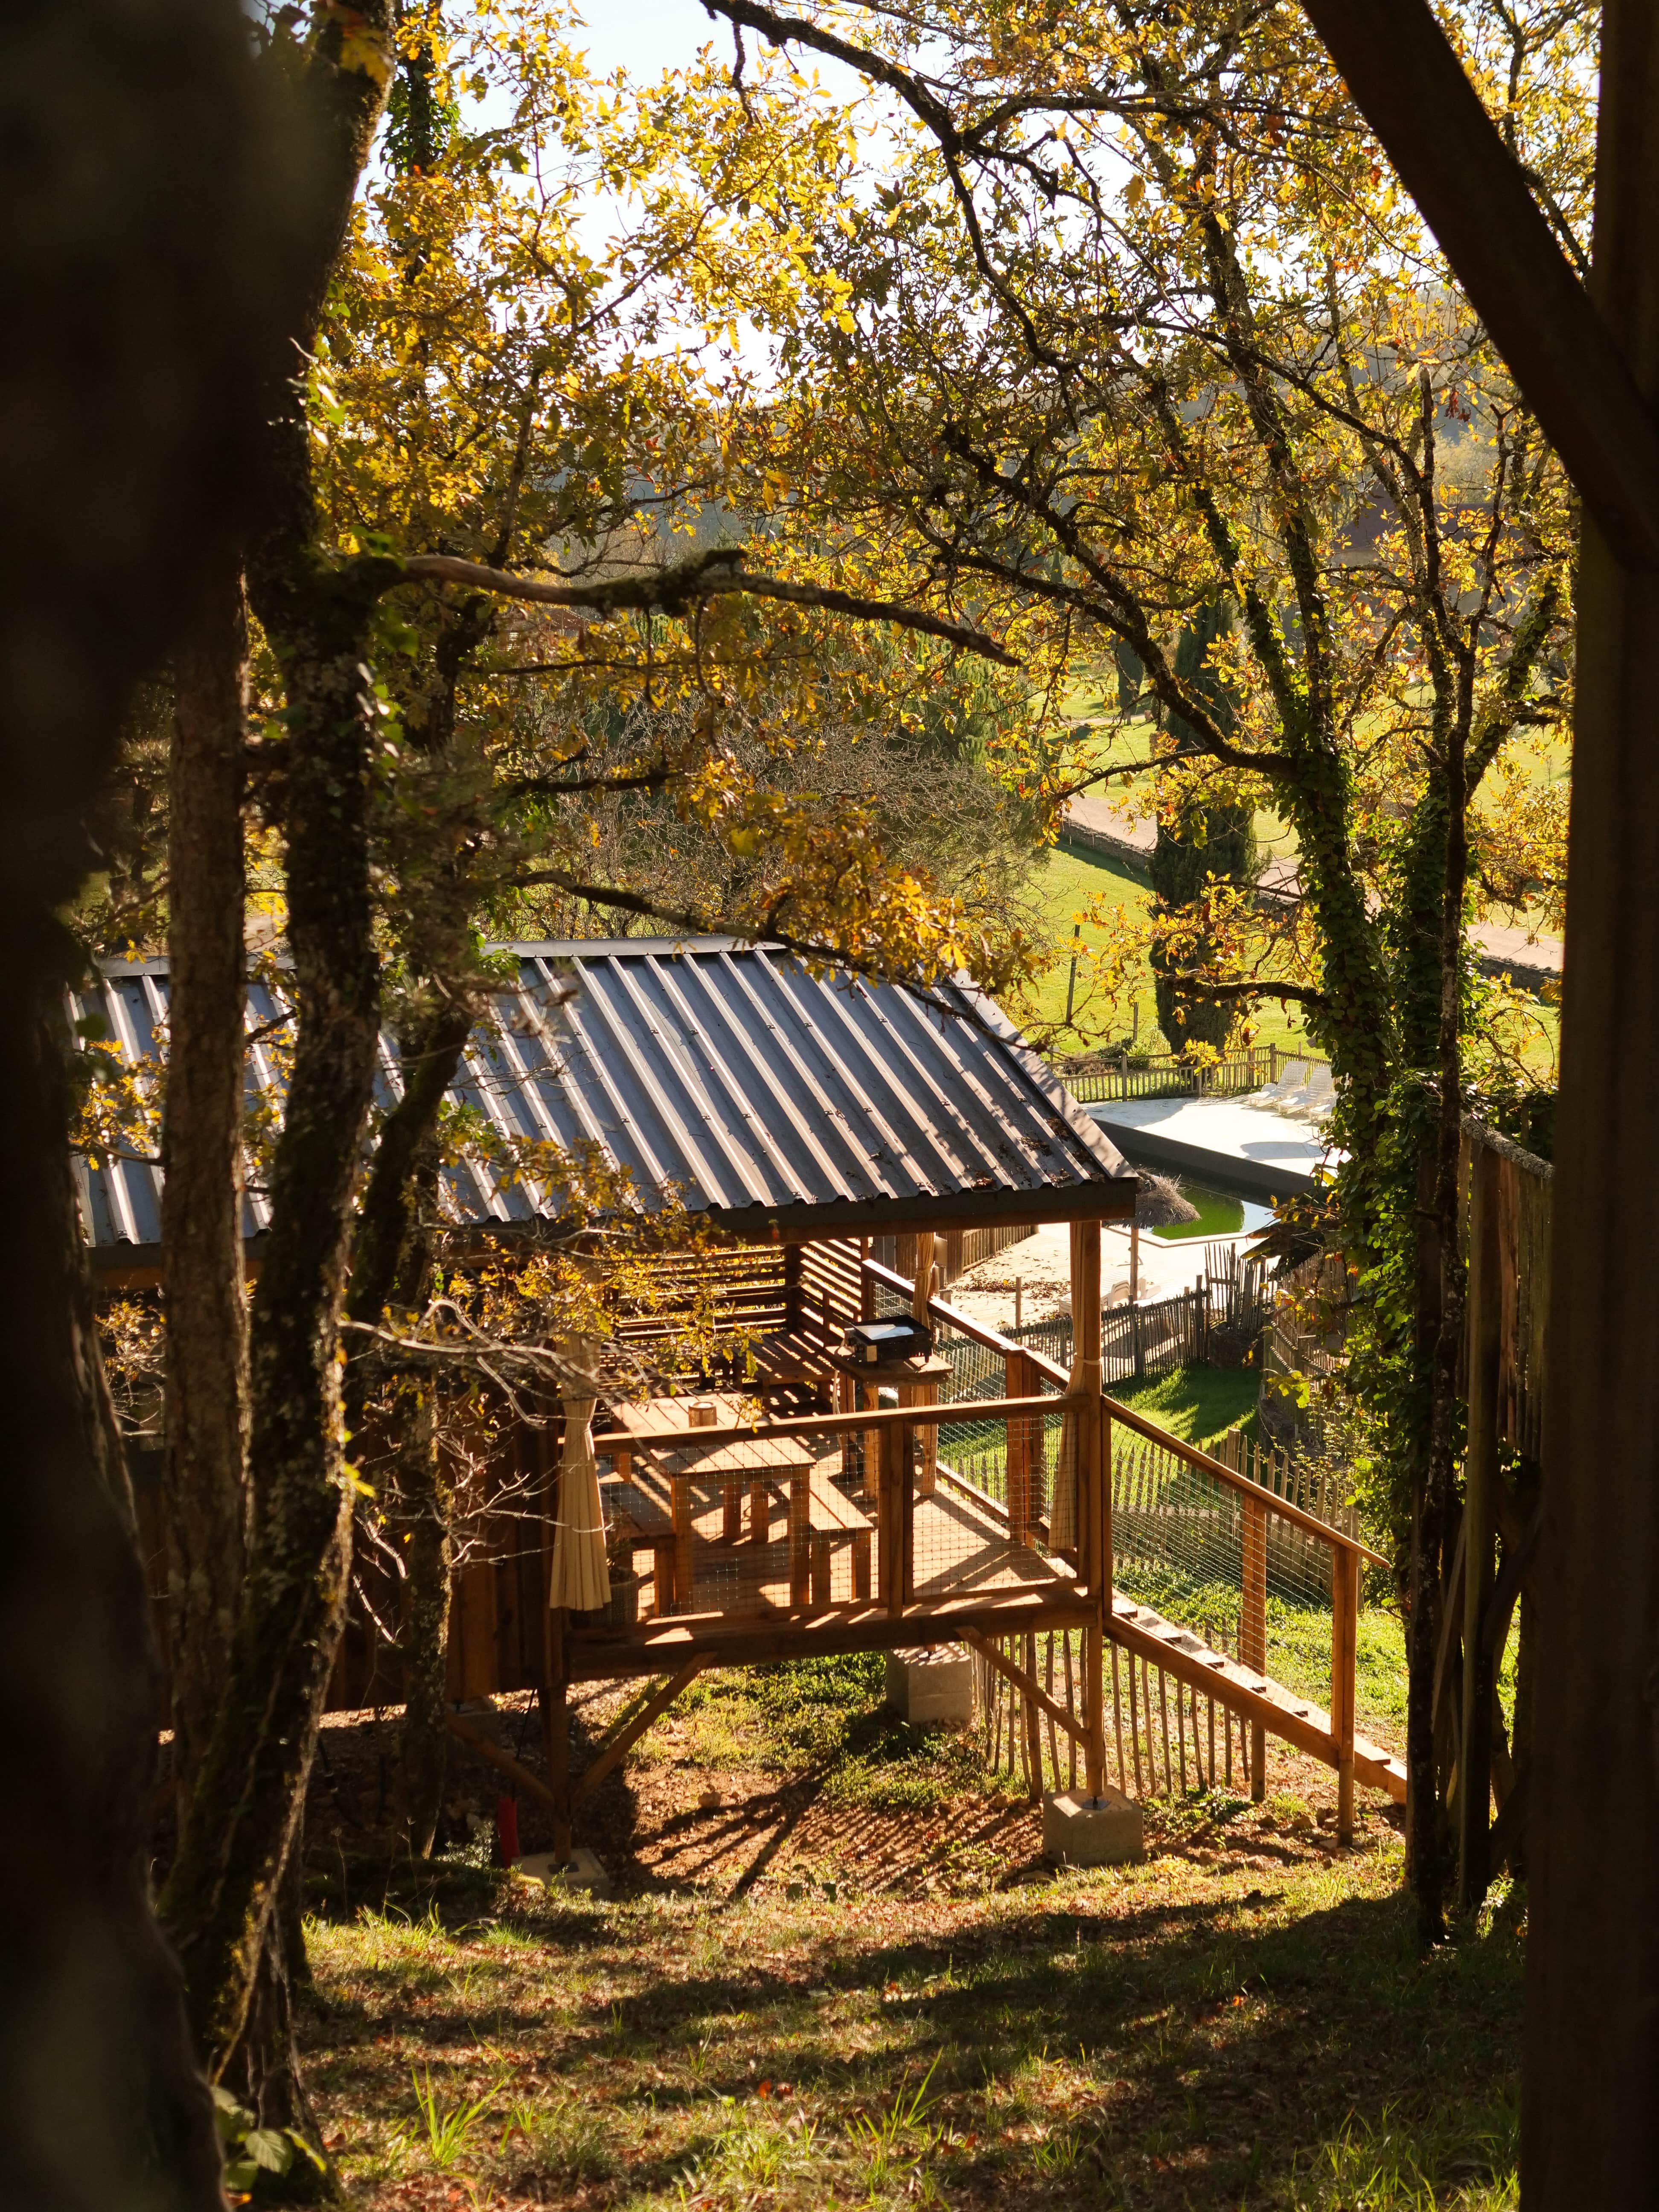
(649, 910)
(682, 584)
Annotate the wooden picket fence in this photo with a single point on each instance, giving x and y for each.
(1167, 1075)
(1164, 1737)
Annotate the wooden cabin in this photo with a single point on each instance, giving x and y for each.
(793, 1498)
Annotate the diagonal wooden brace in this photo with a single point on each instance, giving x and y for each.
(618, 1746)
(1027, 1686)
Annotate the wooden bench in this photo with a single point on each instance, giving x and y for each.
(821, 1517)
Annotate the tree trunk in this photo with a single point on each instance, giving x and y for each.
(233, 1847)
(425, 1510)
(206, 1419)
(1589, 2116)
(391, 1258)
(143, 275)
(100, 2101)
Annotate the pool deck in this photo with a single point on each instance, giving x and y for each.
(1243, 1146)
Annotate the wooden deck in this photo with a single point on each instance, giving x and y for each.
(728, 1535)
(660, 1647)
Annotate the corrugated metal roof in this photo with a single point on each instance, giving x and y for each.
(767, 1095)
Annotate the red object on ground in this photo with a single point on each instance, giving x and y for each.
(507, 1831)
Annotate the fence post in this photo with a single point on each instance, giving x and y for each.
(1021, 1383)
(1480, 1481)
(1344, 1642)
(1253, 1629)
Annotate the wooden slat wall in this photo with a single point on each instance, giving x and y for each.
(750, 1284)
(956, 1251)
(831, 1287)
(1524, 1189)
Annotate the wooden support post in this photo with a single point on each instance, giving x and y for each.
(760, 1513)
(1033, 1729)
(1105, 1515)
(792, 1297)
(684, 1581)
(921, 1290)
(924, 1394)
(801, 1537)
(663, 1552)
(874, 1487)
(1093, 1506)
(1345, 1637)
(896, 1522)
(1253, 1629)
(1481, 1479)
(1021, 1383)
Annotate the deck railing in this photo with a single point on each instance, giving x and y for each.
(1194, 1543)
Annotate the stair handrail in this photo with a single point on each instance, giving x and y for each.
(980, 1332)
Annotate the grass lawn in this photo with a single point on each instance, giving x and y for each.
(1197, 1404)
(839, 1974)
(1071, 883)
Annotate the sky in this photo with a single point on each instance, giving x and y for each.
(647, 37)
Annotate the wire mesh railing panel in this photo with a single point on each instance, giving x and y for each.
(1204, 1556)
(982, 1509)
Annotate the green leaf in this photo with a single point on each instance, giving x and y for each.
(233, 2120)
(270, 2147)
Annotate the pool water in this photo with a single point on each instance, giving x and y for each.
(1220, 1214)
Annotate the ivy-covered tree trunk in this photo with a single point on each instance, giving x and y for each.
(233, 1850)
(205, 1469)
(392, 1265)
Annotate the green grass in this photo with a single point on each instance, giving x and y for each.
(1244, 2019)
(825, 1718)
(1071, 883)
(1197, 1404)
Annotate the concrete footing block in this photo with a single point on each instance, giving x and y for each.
(1090, 1832)
(933, 1688)
(582, 1872)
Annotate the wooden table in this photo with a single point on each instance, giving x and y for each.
(661, 1432)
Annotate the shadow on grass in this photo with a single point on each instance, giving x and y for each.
(1202, 2046)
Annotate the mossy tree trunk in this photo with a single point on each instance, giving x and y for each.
(205, 1469)
(223, 1896)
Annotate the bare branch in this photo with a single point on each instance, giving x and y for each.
(684, 584)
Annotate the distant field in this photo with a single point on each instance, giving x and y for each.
(1071, 882)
